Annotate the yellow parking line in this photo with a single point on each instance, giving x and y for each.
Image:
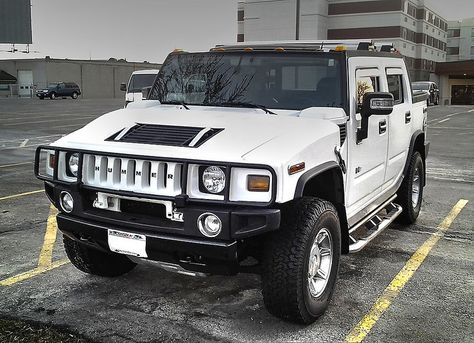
(45, 262)
(31, 273)
(21, 194)
(360, 331)
(46, 254)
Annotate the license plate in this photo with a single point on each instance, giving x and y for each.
(127, 243)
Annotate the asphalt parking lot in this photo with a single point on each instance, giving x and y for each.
(37, 283)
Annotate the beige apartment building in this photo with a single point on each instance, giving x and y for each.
(460, 40)
(418, 32)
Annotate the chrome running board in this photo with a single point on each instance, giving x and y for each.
(373, 224)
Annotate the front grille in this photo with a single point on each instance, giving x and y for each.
(133, 175)
(184, 136)
(143, 208)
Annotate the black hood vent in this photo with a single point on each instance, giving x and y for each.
(184, 136)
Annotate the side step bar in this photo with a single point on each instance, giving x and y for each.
(373, 224)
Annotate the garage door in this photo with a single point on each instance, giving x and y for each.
(25, 83)
(462, 95)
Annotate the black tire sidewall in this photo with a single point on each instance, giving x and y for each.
(416, 162)
(316, 306)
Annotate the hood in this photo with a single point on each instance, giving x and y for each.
(231, 133)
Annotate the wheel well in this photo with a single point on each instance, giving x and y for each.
(329, 185)
(419, 145)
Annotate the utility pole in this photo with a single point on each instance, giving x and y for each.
(297, 30)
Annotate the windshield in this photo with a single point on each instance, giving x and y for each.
(139, 81)
(271, 79)
(422, 86)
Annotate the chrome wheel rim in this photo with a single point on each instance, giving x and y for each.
(415, 188)
(320, 263)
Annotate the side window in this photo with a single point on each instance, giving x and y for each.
(365, 84)
(395, 86)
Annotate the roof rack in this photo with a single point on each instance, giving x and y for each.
(322, 45)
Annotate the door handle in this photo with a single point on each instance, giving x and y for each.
(382, 126)
(407, 117)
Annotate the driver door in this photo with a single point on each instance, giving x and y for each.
(367, 159)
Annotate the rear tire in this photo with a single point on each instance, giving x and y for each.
(92, 261)
(301, 261)
(410, 194)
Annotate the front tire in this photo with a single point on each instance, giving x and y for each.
(92, 261)
(52, 96)
(410, 194)
(74, 95)
(301, 261)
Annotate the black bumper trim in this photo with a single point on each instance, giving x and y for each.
(193, 254)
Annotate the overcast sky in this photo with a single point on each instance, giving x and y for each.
(141, 30)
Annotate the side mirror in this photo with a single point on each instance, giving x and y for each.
(373, 103)
(145, 92)
(123, 87)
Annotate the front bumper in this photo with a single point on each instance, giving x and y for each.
(170, 241)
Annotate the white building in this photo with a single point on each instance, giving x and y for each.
(419, 33)
(460, 40)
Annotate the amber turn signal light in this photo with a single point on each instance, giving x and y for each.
(296, 168)
(52, 161)
(258, 183)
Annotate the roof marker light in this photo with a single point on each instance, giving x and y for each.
(248, 49)
(340, 48)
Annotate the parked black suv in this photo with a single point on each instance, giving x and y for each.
(61, 89)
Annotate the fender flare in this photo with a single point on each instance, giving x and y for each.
(313, 172)
(413, 140)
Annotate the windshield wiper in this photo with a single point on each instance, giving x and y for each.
(246, 104)
(182, 103)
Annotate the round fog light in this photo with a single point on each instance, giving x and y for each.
(209, 224)
(66, 201)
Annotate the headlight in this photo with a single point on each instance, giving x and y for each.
(213, 179)
(73, 163)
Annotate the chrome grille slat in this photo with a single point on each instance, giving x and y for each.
(132, 175)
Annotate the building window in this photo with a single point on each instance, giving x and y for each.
(240, 37)
(412, 47)
(240, 15)
(452, 50)
(406, 19)
(472, 50)
(453, 33)
(472, 32)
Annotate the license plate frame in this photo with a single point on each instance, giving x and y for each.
(127, 243)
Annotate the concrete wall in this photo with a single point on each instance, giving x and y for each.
(97, 79)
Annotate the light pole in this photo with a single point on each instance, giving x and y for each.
(297, 30)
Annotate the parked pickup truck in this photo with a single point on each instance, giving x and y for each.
(264, 158)
(139, 80)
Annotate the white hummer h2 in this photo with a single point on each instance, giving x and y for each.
(271, 158)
